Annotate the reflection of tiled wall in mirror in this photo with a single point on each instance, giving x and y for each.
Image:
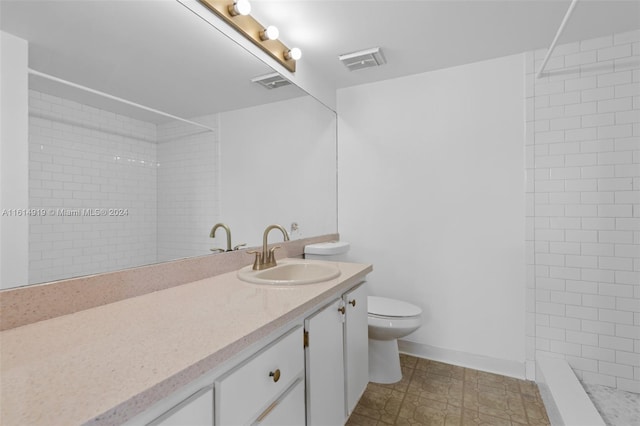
(157, 183)
(84, 160)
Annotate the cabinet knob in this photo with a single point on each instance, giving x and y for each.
(342, 310)
(275, 375)
(352, 302)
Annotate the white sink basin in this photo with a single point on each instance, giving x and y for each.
(290, 272)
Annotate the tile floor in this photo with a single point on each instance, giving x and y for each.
(434, 393)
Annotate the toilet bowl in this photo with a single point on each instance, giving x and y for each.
(389, 320)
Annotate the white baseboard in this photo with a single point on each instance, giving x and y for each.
(464, 359)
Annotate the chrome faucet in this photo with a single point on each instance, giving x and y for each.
(228, 231)
(266, 259)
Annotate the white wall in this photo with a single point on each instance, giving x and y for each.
(278, 173)
(14, 161)
(431, 192)
(583, 155)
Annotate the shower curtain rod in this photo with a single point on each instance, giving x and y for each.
(555, 39)
(115, 98)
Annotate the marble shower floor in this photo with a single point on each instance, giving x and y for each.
(434, 393)
(617, 408)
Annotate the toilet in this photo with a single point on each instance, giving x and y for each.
(388, 319)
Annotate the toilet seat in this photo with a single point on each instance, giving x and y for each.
(390, 318)
(389, 326)
(383, 307)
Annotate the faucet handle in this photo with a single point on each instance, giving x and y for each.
(272, 258)
(258, 259)
(238, 246)
(217, 250)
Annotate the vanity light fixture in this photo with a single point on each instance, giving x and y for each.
(236, 14)
(270, 33)
(240, 7)
(293, 53)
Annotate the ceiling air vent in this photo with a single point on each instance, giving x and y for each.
(271, 81)
(363, 59)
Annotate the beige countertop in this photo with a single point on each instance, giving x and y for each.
(106, 364)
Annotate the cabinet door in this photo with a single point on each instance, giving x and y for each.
(197, 410)
(288, 410)
(324, 360)
(356, 344)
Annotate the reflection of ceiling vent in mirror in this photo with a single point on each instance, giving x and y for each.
(363, 59)
(271, 81)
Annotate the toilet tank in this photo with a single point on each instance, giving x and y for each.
(334, 250)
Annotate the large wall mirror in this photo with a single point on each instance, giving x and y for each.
(115, 185)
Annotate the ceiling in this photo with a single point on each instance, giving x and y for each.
(158, 53)
(423, 35)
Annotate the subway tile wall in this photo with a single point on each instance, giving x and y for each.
(117, 192)
(188, 195)
(583, 208)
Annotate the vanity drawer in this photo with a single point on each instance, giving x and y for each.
(243, 393)
(286, 411)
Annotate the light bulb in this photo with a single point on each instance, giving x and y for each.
(240, 7)
(294, 54)
(269, 33)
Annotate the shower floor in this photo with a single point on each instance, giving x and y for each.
(617, 407)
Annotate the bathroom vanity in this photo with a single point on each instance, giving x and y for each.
(215, 351)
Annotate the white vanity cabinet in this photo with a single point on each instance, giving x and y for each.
(196, 410)
(336, 356)
(252, 391)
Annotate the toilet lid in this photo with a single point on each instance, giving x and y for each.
(386, 307)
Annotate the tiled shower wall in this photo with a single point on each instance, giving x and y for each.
(583, 208)
(188, 196)
(157, 183)
(85, 165)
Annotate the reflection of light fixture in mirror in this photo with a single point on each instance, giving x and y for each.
(269, 33)
(265, 38)
(293, 53)
(240, 7)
